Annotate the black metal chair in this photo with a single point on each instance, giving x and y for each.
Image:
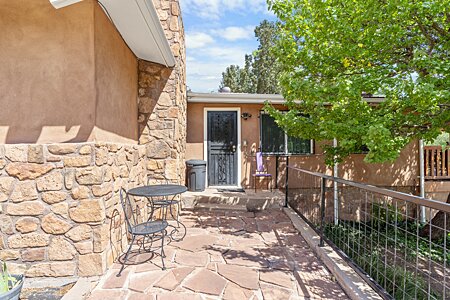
(147, 229)
(164, 204)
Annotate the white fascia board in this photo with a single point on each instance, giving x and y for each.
(154, 24)
(138, 23)
(63, 3)
(238, 98)
(234, 98)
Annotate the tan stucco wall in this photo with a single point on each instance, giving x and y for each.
(402, 172)
(47, 66)
(66, 75)
(116, 74)
(437, 190)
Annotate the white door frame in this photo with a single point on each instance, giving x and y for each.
(205, 139)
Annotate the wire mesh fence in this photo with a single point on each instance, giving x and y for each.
(379, 232)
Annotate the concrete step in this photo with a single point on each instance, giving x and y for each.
(215, 207)
(249, 200)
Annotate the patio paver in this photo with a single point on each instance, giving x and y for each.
(227, 255)
(242, 276)
(206, 282)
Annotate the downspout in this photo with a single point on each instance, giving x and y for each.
(422, 180)
(335, 188)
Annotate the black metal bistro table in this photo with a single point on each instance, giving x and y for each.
(162, 196)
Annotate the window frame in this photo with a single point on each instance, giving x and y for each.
(286, 137)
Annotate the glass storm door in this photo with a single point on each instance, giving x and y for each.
(222, 146)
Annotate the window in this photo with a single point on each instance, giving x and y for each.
(275, 140)
(363, 149)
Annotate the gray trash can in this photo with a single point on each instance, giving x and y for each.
(196, 175)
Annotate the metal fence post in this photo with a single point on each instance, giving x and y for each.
(323, 182)
(287, 183)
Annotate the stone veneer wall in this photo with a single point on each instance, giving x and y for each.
(162, 102)
(60, 214)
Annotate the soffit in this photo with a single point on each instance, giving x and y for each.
(138, 23)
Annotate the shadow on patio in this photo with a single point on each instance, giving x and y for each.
(227, 255)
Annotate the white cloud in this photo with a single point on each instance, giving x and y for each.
(198, 40)
(229, 55)
(234, 33)
(218, 34)
(204, 74)
(214, 9)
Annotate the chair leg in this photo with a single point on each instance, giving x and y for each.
(178, 212)
(171, 213)
(152, 210)
(126, 256)
(162, 250)
(181, 228)
(254, 182)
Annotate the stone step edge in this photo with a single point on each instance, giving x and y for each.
(190, 203)
(218, 199)
(82, 288)
(38, 287)
(213, 207)
(354, 286)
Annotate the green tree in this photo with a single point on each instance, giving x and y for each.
(248, 78)
(261, 70)
(333, 51)
(266, 68)
(232, 78)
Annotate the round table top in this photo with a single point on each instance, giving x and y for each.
(158, 190)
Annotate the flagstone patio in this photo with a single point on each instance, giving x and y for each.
(227, 255)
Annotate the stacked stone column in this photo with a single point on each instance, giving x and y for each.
(162, 102)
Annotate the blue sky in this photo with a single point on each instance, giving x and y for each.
(219, 33)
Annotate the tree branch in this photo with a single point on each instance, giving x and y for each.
(428, 36)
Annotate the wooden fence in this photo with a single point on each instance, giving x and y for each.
(437, 162)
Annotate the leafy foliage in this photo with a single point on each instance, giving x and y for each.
(382, 269)
(441, 140)
(261, 71)
(240, 80)
(7, 282)
(334, 51)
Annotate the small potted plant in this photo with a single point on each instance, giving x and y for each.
(10, 285)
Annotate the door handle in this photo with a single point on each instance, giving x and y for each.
(233, 148)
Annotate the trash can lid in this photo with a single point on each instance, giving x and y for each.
(196, 162)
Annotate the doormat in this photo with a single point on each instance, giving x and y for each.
(237, 190)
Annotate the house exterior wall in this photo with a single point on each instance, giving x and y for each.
(47, 66)
(60, 210)
(60, 214)
(402, 172)
(437, 190)
(71, 61)
(116, 84)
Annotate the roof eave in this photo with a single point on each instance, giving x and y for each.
(238, 98)
(140, 27)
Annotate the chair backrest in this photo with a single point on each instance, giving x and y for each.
(157, 181)
(259, 162)
(128, 209)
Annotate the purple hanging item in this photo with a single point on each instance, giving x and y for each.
(259, 162)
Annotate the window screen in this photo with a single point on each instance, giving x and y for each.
(274, 139)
